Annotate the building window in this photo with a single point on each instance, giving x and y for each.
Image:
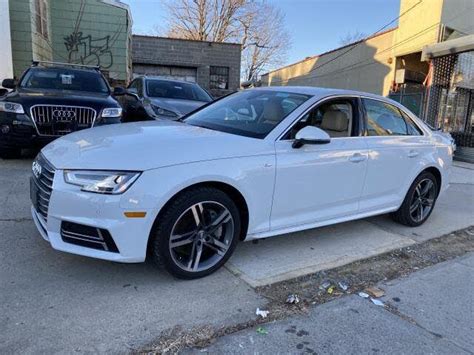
(219, 78)
(41, 10)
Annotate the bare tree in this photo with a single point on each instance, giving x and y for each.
(255, 24)
(352, 37)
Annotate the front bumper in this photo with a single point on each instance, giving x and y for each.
(18, 131)
(68, 204)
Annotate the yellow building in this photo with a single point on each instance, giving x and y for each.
(388, 63)
(426, 63)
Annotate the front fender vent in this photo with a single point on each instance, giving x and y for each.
(87, 236)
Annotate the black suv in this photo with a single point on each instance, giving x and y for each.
(51, 100)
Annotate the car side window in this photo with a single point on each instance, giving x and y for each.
(413, 129)
(136, 87)
(384, 119)
(335, 117)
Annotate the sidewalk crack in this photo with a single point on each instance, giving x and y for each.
(394, 310)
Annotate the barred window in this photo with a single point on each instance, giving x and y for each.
(41, 17)
(219, 78)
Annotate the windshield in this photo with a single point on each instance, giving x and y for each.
(176, 90)
(64, 79)
(252, 113)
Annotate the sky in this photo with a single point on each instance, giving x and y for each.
(315, 26)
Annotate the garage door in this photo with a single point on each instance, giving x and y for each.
(167, 72)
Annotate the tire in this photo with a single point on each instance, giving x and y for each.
(407, 214)
(10, 153)
(216, 234)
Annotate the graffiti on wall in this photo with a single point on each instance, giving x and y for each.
(89, 50)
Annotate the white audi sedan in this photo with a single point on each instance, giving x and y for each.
(254, 164)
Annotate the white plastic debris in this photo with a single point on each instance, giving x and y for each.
(325, 285)
(343, 285)
(293, 299)
(377, 302)
(363, 295)
(262, 313)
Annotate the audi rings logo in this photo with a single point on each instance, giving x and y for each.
(36, 168)
(64, 114)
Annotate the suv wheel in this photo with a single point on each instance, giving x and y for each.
(10, 153)
(197, 233)
(419, 201)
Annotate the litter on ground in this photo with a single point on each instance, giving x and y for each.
(377, 302)
(261, 313)
(375, 292)
(293, 299)
(344, 286)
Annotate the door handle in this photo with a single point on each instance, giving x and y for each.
(357, 158)
(412, 154)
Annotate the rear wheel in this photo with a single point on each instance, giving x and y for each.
(419, 201)
(197, 233)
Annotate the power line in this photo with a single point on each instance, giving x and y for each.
(364, 62)
(363, 40)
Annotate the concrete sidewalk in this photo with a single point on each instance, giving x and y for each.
(432, 311)
(296, 254)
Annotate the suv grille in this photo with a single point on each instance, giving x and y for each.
(41, 185)
(51, 120)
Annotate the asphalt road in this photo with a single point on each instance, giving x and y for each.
(52, 302)
(434, 315)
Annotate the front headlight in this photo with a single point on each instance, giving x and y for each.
(11, 107)
(111, 112)
(103, 182)
(163, 112)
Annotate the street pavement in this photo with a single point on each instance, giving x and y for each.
(52, 302)
(434, 315)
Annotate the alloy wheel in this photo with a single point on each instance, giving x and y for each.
(423, 200)
(201, 236)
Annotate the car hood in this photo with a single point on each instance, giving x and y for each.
(28, 98)
(181, 107)
(148, 145)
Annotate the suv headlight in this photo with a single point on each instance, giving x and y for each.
(111, 112)
(163, 112)
(103, 182)
(11, 107)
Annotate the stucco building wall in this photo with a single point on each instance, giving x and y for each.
(365, 65)
(420, 24)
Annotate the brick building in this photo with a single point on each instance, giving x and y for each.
(214, 66)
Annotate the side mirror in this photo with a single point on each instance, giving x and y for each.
(132, 92)
(9, 83)
(119, 91)
(310, 135)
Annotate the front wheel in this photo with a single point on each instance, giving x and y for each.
(419, 201)
(197, 233)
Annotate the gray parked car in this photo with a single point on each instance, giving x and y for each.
(149, 98)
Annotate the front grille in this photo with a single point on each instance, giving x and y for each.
(41, 185)
(51, 120)
(86, 236)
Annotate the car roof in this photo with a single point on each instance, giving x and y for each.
(319, 91)
(71, 68)
(147, 77)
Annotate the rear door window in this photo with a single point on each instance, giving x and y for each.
(384, 119)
